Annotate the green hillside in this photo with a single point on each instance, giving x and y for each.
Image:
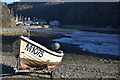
(72, 13)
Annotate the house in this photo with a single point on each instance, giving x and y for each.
(54, 23)
(28, 22)
(41, 21)
(19, 23)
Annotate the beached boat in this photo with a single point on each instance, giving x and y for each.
(34, 55)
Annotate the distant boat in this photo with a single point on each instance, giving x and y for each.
(32, 54)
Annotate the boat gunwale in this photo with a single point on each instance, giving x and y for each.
(38, 45)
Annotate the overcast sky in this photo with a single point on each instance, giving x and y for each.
(11, 1)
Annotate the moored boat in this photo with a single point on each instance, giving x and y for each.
(34, 55)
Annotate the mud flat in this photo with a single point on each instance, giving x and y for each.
(75, 64)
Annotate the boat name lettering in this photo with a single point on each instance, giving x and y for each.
(35, 50)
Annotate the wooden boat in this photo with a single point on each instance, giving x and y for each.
(34, 55)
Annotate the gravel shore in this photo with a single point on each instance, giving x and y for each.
(75, 63)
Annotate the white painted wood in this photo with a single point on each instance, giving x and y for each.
(34, 53)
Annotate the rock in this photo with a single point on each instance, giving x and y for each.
(106, 61)
(62, 76)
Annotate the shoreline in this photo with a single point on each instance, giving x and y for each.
(75, 63)
(64, 46)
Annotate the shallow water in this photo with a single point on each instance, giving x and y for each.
(89, 41)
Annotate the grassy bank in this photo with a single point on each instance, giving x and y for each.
(13, 32)
(11, 27)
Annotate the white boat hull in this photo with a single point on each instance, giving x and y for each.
(32, 54)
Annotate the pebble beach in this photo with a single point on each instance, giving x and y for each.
(75, 64)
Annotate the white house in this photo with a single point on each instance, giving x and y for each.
(19, 23)
(28, 22)
(54, 23)
(41, 21)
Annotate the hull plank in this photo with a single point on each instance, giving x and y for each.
(32, 54)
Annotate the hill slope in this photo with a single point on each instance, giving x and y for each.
(74, 13)
(5, 16)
